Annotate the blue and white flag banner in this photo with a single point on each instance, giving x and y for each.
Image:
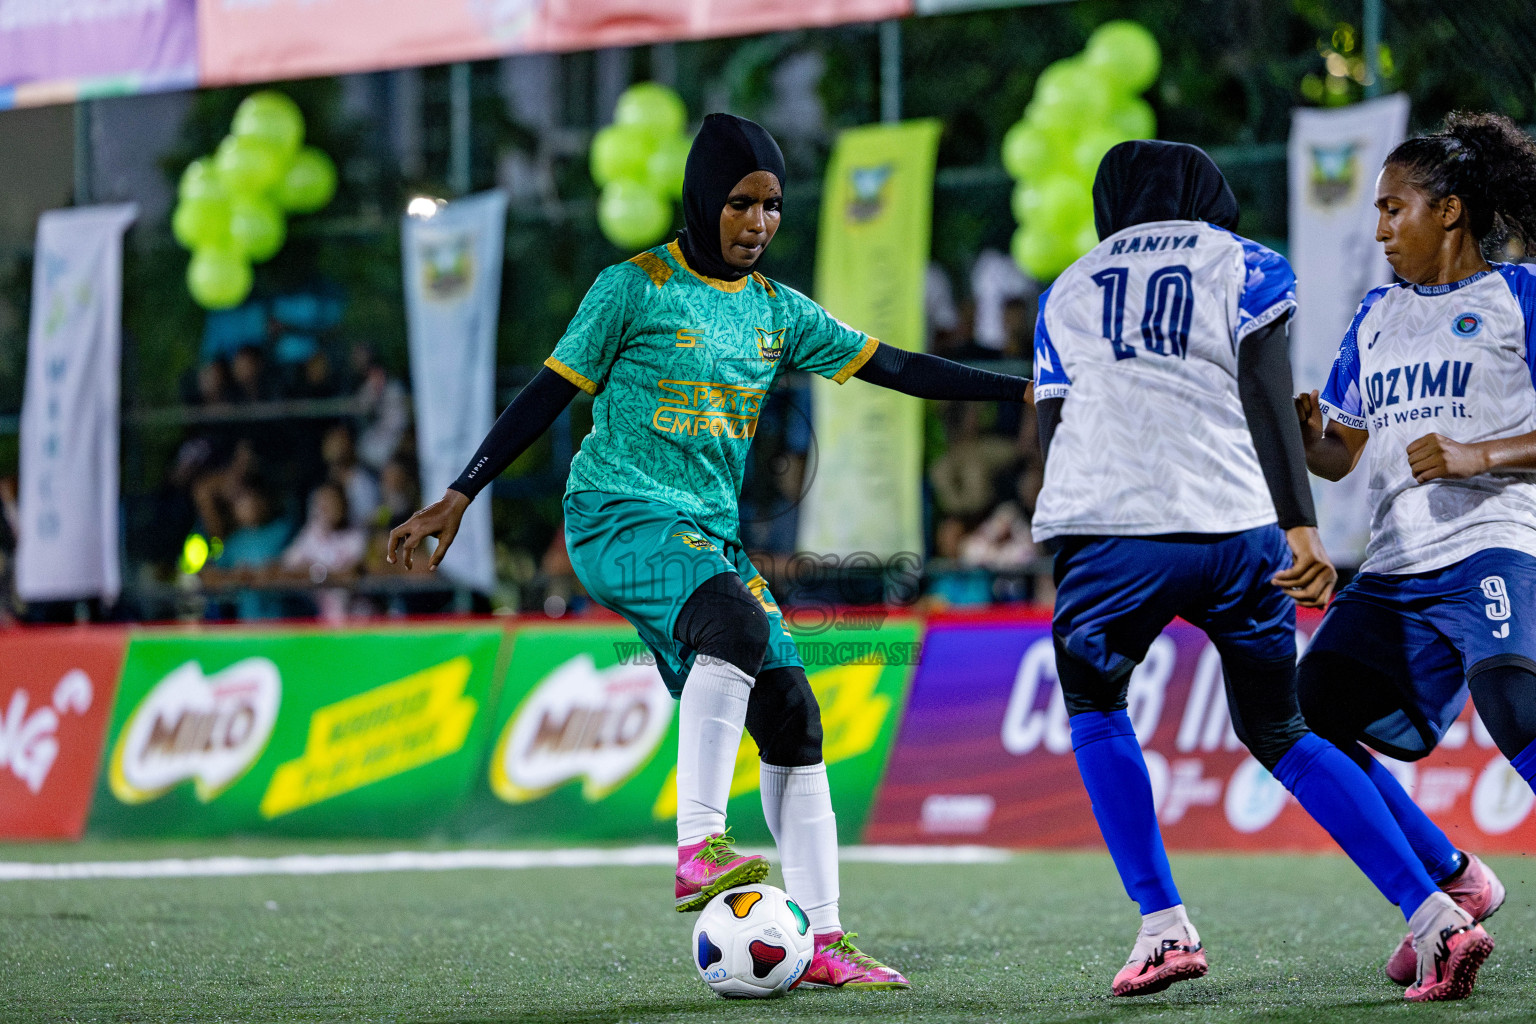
(1334, 159)
(68, 542)
(452, 299)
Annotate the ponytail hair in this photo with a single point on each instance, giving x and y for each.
(1486, 162)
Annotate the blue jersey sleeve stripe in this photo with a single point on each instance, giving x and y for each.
(1521, 279)
(1342, 392)
(1265, 318)
(1049, 372)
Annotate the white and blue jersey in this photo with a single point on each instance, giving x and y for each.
(1458, 360)
(1141, 336)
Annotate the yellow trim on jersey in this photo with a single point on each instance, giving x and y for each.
(654, 266)
(767, 284)
(714, 282)
(853, 365)
(571, 375)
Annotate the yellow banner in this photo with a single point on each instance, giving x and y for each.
(374, 735)
(876, 220)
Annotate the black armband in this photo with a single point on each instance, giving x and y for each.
(924, 376)
(521, 424)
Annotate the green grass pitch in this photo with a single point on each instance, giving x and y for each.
(1035, 939)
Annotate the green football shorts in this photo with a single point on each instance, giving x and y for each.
(643, 560)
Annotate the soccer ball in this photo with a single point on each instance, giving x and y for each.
(752, 942)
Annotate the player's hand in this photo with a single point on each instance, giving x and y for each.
(1309, 411)
(1436, 457)
(439, 519)
(1029, 393)
(1310, 579)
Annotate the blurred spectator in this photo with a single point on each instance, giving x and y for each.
(399, 495)
(995, 281)
(386, 409)
(943, 318)
(339, 450)
(251, 551)
(315, 378)
(327, 549)
(962, 477)
(250, 381)
(215, 491)
(1003, 542)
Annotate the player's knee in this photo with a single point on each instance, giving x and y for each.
(784, 718)
(1504, 693)
(1320, 707)
(721, 619)
(1261, 699)
(1086, 687)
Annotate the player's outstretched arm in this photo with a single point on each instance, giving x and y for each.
(1436, 457)
(924, 376)
(1333, 452)
(522, 423)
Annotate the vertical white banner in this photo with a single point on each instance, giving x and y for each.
(1334, 159)
(68, 544)
(452, 299)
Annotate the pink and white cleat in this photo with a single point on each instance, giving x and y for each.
(1450, 947)
(1162, 959)
(1477, 890)
(838, 963)
(709, 867)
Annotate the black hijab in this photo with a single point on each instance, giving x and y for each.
(727, 149)
(1142, 182)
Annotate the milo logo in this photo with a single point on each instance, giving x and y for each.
(579, 722)
(206, 729)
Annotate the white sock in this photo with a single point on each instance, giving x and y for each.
(710, 717)
(797, 803)
(1156, 923)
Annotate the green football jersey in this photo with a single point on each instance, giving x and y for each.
(679, 365)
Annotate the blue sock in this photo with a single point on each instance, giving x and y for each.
(1109, 760)
(1436, 852)
(1340, 798)
(1524, 763)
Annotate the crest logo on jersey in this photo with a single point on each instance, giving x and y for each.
(1467, 325)
(869, 191)
(770, 344)
(697, 541)
(1335, 171)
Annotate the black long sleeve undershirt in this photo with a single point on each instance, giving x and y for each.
(519, 425)
(925, 376)
(1264, 386)
(546, 396)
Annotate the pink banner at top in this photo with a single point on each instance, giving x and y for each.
(259, 40)
(57, 51)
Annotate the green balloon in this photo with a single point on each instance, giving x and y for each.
(664, 169)
(633, 216)
(1053, 205)
(200, 223)
(1029, 151)
(1133, 119)
(218, 277)
(1090, 150)
(1125, 54)
(256, 227)
(1041, 254)
(1073, 86)
(200, 181)
(249, 164)
(309, 182)
(1085, 238)
(621, 152)
(653, 108)
(272, 116)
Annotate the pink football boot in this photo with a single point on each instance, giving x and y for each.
(1450, 948)
(838, 963)
(1477, 890)
(1159, 959)
(711, 866)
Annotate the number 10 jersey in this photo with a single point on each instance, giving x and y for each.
(1140, 337)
